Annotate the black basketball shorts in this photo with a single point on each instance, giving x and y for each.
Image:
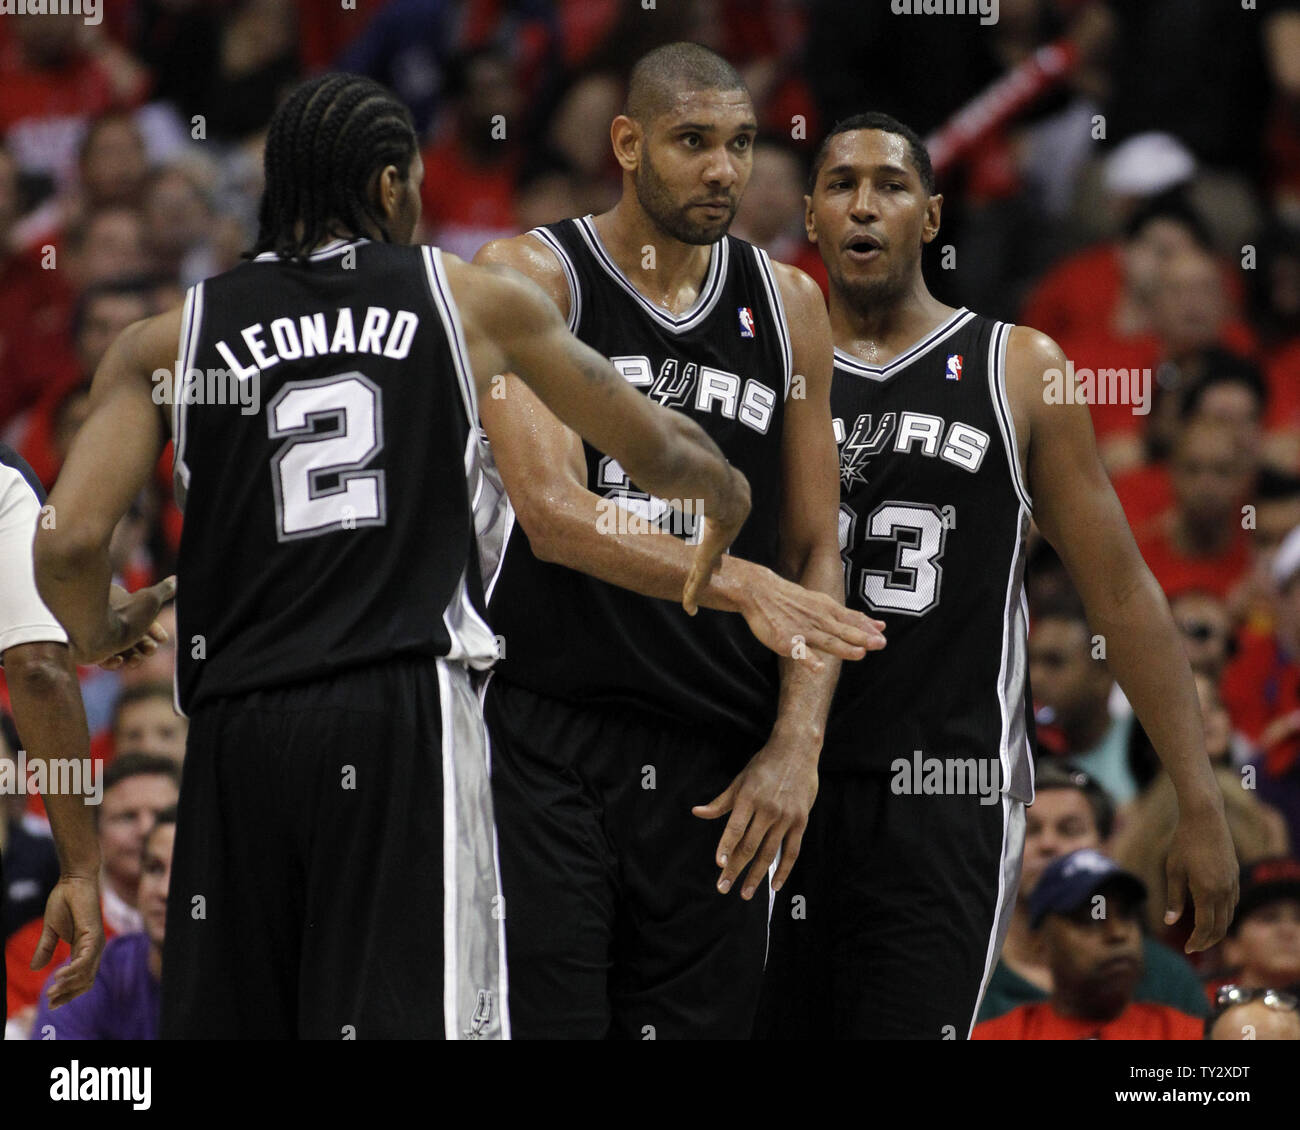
(614, 924)
(334, 873)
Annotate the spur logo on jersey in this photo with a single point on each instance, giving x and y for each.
(957, 443)
(953, 372)
(746, 316)
(706, 389)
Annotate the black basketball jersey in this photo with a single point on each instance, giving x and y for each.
(326, 451)
(933, 518)
(726, 362)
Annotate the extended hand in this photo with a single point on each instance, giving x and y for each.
(769, 802)
(71, 913)
(780, 613)
(1202, 859)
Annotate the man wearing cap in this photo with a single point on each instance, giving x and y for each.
(1088, 911)
(1263, 943)
(1261, 689)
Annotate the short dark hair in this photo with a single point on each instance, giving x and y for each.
(1221, 368)
(133, 764)
(138, 286)
(1053, 774)
(325, 142)
(917, 153)
(141, 692)
(1174, 206)
(166, 816)
(658, 74)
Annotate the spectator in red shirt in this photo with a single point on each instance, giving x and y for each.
(35, 310)
(1200, 541)
(55, 73)
(1088, 911)
(136, 787)
(468, 192)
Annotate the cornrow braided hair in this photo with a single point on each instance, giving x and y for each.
(326, 141)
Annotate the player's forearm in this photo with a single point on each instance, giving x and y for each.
(1145, 654)
(805, 698)
(595, 535)
(49, 714)
(73, 577)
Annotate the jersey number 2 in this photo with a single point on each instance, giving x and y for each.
(318, 474)
(918, 532)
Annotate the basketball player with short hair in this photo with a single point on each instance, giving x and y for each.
(610, 755)
(893, 918)
(335, 825)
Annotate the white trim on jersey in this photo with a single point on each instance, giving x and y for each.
(860, 368)
(570, 274)
(997, 367)
(778, 313)
(704, 301)
(191, 325)
(504, 972)
(331, 250)
(474, 990)
(1013, 850)
(445, 304)
(1014, 751)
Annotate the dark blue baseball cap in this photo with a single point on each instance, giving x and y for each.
(1070, 881)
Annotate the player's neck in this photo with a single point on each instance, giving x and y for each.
(881, 332)
(668, 272)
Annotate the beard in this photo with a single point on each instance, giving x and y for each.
(658, 203)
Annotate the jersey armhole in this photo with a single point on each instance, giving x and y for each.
(191, 326)
(778, 314)
(997, 367)
(547, 238)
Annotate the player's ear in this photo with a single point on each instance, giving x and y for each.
(625, 135)
(933, 207)
(809, 221)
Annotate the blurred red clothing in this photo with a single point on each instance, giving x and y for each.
(43, 110)
(1144, 493)
(1077, 296)
(1283, 372)
(1176, 571)
(35, 320)
(1260, 684)
(1140, 1021)
(1097, 347)
(25, 983)
(466, 204)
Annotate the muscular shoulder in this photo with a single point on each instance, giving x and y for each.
(800, 294)
(1030, 355)
(497, 300)
(530, 257)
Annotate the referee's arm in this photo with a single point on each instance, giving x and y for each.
(51, 721)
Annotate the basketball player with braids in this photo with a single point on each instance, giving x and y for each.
(893, 917)
(335, 824)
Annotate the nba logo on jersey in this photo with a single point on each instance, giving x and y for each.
(954, 367)
(746, 316)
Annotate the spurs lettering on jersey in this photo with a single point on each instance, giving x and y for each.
(680, 384)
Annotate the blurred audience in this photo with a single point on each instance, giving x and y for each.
(1087, 913)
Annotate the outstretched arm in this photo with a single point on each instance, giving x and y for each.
(1079, 514)
(111, 460)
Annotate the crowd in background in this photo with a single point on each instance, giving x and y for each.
(1123, 175)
